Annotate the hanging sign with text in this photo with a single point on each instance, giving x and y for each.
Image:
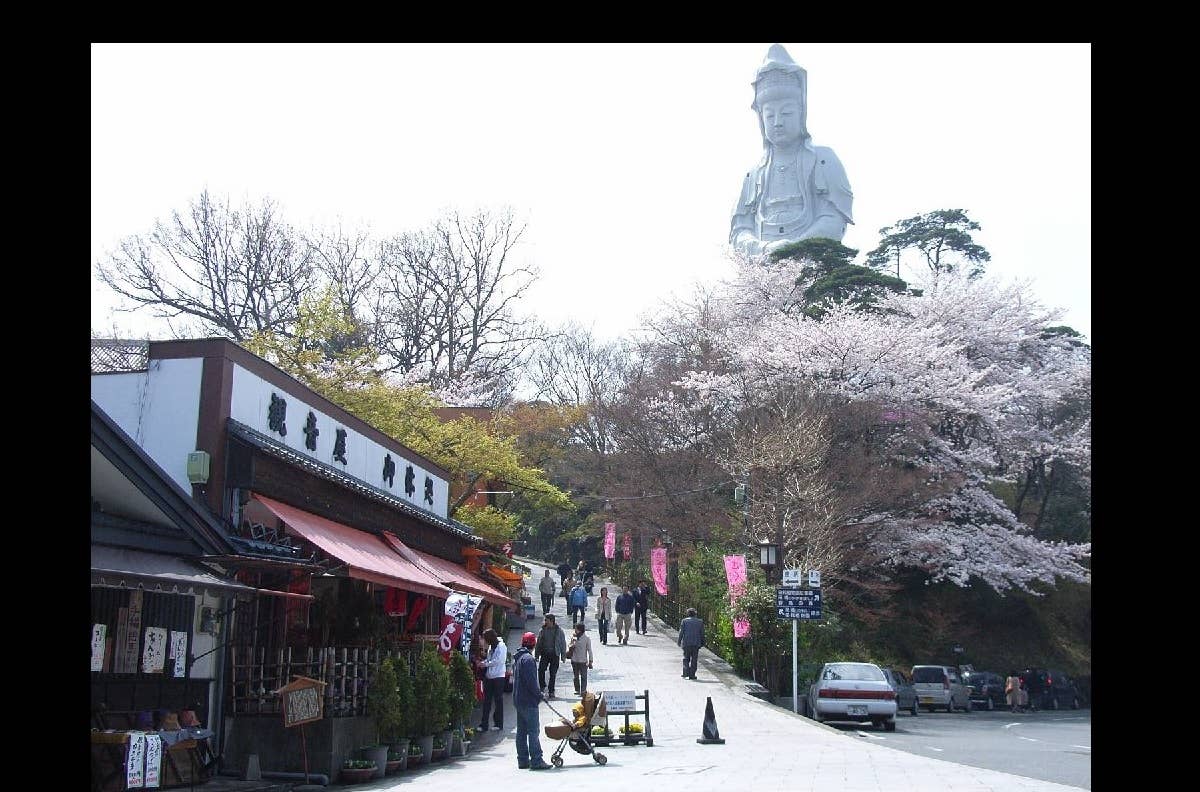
(794, 603)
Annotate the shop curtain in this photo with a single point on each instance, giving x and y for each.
(610, 540)
(735, 573)
(658, 567)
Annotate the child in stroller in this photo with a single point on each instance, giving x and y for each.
(577, 732)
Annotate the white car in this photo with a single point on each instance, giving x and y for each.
(852, 692)
(941, 686)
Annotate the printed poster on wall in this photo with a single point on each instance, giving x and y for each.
(179, 652)
(98, 633)
(154, 655)
(153, 760)
(610, 540)
(135, 761)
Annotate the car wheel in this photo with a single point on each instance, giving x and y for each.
(889, 725)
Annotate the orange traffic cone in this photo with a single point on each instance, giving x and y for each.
(709, 730)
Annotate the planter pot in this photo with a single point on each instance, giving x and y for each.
(438, 754)
(349, 776)
(426, 744)
(395, 766)
(447, 743)
(457, 745)
(401, 747)
(378, 755)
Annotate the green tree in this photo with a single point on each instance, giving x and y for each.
(828, 277)
(431, 705)
(462, 688)
(941, 237)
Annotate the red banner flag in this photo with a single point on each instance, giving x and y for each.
(610, 540)
(735, 573)
(627, 547)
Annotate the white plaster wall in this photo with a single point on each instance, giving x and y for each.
(159, 409)
(251, 402)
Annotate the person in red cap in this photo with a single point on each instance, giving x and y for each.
(526, 698)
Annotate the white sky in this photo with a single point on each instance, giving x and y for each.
(625, 160)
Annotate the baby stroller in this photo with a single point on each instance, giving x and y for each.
(578, 732)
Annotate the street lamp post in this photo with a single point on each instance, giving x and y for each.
(768, 556)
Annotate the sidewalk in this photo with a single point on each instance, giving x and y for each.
(767, 747)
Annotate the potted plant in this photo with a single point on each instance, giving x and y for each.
(462, 701)
(633, 734)
(356, 770)
(389, 700)
(414, 752)
(601, 735)
(383, 706)
(396, 760)
(439, 746)
(431, 708)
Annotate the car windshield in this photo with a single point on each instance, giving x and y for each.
(928, 674)
(856, 671)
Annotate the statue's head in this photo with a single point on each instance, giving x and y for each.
(780, 87)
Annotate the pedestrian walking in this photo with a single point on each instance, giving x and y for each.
(551, 646)
(624, 608)
(1012, 691)
(495, 667)
(577, 602)
(603, 614)
(1035, 684)
(546, 587)
(580, 653)
(526, 698)
(564, 572)
(691, 638)
(641, 604)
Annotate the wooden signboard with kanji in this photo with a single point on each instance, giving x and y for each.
(303, 700)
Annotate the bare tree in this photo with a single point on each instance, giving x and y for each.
(450, 296)
(235, 271)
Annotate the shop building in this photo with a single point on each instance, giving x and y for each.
(339, 534)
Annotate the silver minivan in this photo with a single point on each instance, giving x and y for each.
(941, 686)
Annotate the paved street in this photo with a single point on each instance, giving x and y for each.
(767, 747)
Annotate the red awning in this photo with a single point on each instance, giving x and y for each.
(366, 556)
(451, 574)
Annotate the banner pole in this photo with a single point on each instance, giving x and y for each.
(795, 671)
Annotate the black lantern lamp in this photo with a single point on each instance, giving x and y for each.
(768, 556)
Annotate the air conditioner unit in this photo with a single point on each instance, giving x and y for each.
(197, 467)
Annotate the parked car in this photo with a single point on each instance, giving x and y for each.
(940, 686)
(986, 689)
(906, 694)
(852, 692)
(1060, 691)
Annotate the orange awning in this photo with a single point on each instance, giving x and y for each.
(451, 574)
(364, 554)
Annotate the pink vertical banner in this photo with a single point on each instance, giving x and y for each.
(610, 540)
(658, 568)
(735, 573)
(627, 547)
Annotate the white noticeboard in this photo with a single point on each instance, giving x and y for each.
(814, 578)
(616, 701)
(791, 577)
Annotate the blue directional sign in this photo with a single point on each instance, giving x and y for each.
(796, 603)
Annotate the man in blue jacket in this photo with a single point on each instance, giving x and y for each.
(577, 602)
(526, 698)
(624, 608)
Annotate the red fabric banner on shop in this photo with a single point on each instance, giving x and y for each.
(658, 567)
(610, 540)
(452, 631)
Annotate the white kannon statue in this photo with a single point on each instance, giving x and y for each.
(797, 190)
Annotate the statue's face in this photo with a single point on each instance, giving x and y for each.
(781, 121)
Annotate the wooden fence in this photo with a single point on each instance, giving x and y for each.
(257, 672)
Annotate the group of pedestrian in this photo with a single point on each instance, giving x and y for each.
(1024, 691)
(536, 663)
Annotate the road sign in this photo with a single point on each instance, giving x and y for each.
(791, 577)
(793, 603)
(814, 578)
